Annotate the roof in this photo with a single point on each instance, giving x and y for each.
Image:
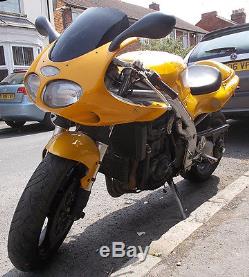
(15, 21)
(133, 11)
(227, 20)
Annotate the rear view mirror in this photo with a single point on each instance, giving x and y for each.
(45, 28)
(202, 79)
(155, 25)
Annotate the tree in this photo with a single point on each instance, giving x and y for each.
(167, 45)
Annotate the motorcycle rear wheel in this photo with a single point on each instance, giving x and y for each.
(202, 171)
(42, 218)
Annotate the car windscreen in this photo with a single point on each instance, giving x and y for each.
(13, 79)
(221, 46)
(92, 29)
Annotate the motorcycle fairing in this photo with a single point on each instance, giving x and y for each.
(92, 29)
(171, 69)
(97, 106)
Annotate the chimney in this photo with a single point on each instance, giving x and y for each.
(209, 15)
(154, 6)
(239, 16)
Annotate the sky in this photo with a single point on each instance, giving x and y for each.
(191, 10)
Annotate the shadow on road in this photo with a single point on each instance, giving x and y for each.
(154, 215)
(29, 129)
(237, 140)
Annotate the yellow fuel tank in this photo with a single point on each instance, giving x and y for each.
(167, 65)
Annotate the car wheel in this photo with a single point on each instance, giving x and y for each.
(15, 124)
(48, 121)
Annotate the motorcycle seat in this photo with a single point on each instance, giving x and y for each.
(202, 79)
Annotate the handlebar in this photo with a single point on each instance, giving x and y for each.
(148, 75)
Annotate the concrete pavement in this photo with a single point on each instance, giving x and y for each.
(219, 249)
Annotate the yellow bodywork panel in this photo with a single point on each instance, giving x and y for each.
(167, 65)
(97, 106)
(210, 102)
(171, 67)
(77, 147)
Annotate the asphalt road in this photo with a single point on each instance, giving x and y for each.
(106, 219)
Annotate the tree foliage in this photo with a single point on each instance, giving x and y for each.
(167, 45)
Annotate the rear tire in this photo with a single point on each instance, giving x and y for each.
(42, 218)
(15, 124)
(201, 172)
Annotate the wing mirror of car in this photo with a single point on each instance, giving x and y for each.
(45, 28)
(155, 25)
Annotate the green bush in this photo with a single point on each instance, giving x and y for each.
(167, 45)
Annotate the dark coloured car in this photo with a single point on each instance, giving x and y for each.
(231, 47)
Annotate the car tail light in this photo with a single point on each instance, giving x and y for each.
(22, 90)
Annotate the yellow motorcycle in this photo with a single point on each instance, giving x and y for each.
(140, 118)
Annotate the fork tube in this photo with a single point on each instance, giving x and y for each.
(102, 150)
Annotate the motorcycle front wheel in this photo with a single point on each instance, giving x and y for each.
(42, 218)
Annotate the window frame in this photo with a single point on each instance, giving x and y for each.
(21, 46)
(20, 7)
(4, 67)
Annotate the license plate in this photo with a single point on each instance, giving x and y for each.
(239, 66)
(7, 96)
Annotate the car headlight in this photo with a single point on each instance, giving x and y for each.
(58, 94)
(32, 84)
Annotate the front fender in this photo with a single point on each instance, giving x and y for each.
(77, 147)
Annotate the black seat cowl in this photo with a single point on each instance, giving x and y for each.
(202, 79)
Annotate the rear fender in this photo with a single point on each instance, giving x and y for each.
(77, 147)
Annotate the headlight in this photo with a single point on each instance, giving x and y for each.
(32, 84)
(49, 71)
(61, 93)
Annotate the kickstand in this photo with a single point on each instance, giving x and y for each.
(175, 191)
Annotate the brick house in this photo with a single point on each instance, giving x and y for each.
(67, 10)
(211, 21)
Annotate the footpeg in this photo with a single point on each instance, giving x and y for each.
(211, 158)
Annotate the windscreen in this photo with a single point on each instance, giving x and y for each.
(221, 46)
(92, 29)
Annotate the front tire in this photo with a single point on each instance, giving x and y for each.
(202, 171)
(42, 218)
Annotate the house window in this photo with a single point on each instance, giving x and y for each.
(3, 73)
(22, 55)
(2, 57)
(185, 40)
(3, 69)
(12, 6)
